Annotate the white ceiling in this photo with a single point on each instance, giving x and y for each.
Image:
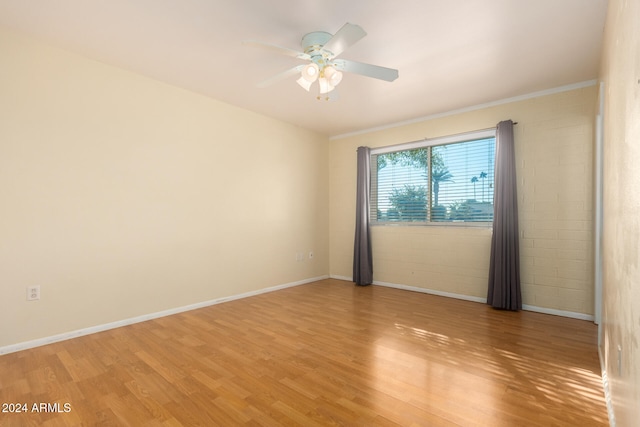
(450, 54)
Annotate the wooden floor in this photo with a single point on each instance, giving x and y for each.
(326, 353)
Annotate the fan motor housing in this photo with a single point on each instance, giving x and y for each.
(312, 43)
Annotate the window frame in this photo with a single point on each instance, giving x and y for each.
(431, 142)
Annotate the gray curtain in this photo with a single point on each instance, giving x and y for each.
(362, 259)
(504, 267)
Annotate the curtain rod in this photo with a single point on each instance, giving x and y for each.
(468, 132)
(454, 136)
(465, 133)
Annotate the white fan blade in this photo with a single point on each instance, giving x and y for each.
(346, 36)
(281, 76)
(278, 49)
(382, 73)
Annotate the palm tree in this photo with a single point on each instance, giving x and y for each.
(483, 176)
(438, 175)
(473, 181)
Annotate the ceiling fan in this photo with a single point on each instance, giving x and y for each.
(321, 49)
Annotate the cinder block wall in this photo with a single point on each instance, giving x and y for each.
(555, 174)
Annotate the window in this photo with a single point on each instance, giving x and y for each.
(447, 179)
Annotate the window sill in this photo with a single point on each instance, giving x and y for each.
(455, 224)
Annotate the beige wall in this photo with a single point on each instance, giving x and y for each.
(123, 196)
(554, 148)
(621, 248)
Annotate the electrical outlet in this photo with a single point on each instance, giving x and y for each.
(33, 293)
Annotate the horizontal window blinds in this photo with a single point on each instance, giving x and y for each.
(436, 183)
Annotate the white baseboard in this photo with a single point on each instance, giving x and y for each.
(562, 313)
(335, 276)
(607, 389)
(430, 291)
(112, 325)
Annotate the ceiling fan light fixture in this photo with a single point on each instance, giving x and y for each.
(321, 50)
(325, 86)
(310, 72)
(304, 83)
(333, 76)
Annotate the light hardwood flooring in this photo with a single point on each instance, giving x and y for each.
(325, 353)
